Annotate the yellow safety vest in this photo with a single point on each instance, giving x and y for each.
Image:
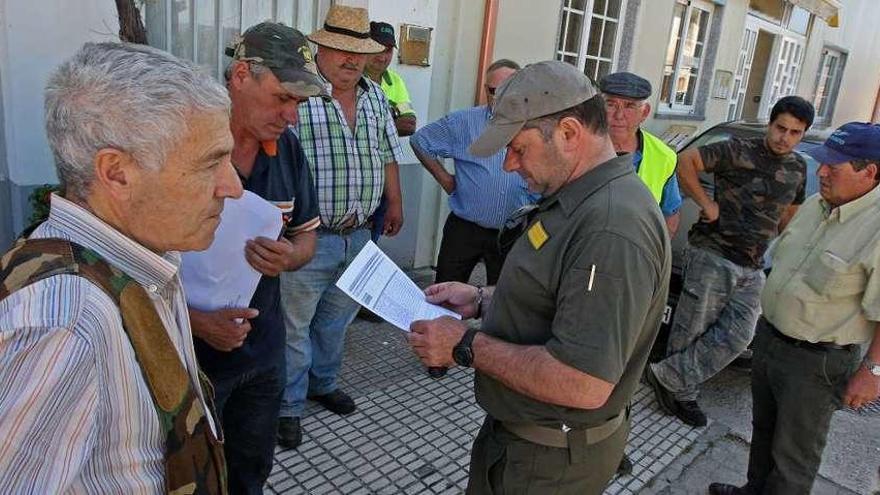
(658, 164)
(395, 90)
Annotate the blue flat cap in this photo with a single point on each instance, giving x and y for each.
(625, 84)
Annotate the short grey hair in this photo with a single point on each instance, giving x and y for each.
(254, 68)
(129, 97)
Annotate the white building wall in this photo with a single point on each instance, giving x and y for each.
(859, 38)
(34, 38)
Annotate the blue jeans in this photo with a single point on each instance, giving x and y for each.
(316, 315)
(248, 407)
(714, 321)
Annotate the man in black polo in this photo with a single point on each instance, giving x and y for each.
(568, 329)
(242, 349)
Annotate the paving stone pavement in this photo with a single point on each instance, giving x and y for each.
(412, 434)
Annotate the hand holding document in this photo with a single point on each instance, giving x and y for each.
(220, 277)
(377, 283)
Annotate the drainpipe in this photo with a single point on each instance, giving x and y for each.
(875, 117)
(487, 47)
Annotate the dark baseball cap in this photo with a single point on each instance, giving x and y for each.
(383, 33)
(537, 90)
(626, 85)
(285, 51)
(852, 141)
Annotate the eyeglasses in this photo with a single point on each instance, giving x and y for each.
(514, 227)
(630, 106)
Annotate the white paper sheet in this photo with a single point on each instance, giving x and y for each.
(220, 277)
(376, 282)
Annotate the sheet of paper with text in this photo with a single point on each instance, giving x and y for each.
(378, 284)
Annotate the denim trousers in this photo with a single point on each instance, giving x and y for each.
(248, 405)
(714, 321)
(316, 315)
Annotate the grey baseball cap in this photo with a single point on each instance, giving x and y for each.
(536, 90)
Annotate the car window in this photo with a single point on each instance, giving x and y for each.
(712, 136)
(812, 178)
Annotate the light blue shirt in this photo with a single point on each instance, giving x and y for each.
(484, 193)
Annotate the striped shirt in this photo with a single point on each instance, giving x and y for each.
(76, 415)
(348, 167)
(484, 193)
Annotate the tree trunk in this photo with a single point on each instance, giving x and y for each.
(131, 27)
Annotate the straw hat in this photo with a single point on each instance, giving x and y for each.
(346, 29)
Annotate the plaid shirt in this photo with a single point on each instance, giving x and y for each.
(348, 168)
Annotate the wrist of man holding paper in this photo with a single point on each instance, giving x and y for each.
(270, 257)
(224, 329)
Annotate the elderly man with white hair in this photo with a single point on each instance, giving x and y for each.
(100, 391)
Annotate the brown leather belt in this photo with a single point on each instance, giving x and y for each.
(347, 227)
(559, 437)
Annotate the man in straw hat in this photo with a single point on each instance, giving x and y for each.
(352, 147)
(568, 329)
(242, 349)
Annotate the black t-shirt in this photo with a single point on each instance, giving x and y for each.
(281, 179)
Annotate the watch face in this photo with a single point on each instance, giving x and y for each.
(463, 355)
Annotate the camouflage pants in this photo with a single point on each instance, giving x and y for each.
(714, 321)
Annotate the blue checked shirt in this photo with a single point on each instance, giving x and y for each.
(484, 193)
(348, 167)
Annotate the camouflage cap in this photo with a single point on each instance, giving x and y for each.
(537, 90)
(285, 51)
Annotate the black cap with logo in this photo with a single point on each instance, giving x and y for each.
(383, 33)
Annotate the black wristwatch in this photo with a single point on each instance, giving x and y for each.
(463, 352)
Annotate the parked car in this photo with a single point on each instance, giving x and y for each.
(690, 212)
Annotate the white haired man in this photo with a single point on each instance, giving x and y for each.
(100, 391)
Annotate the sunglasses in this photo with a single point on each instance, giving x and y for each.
(514, 227)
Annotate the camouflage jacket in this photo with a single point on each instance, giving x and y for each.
(753, 187)
(194, 461)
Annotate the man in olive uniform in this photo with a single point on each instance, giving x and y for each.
(568, 329)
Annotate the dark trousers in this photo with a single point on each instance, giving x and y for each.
(378, 219)
(795, 390)
(502, 463)
(248, 406)
(464, 245)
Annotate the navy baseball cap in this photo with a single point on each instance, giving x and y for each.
(852, 141)
(383, 33)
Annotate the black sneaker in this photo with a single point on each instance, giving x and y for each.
(290, 434)
(725, 489)
(366, 314)
(664, 397)
(689, 412)
(625, 468)
(336, 401)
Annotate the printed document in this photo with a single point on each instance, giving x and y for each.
(220, 277)
(378, 284)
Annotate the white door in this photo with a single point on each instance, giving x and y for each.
(743, 71)
(789, 54)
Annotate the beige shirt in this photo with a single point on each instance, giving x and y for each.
(825, 286)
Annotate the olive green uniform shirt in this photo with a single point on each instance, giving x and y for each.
(601, 321)
(825, 284)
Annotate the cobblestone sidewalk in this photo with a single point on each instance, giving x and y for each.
(412, 434)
